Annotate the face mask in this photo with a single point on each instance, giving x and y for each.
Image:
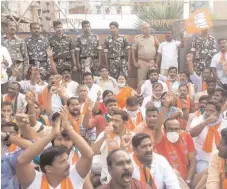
(132, 113)
(202, 109)
(121, 84)
(173, 137)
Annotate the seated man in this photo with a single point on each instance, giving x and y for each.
(120, 168)
(54, 162)
(217, 168)
(158, 172)
(171, 80)
(205, 131)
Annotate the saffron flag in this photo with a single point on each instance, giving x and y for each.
(198, 21)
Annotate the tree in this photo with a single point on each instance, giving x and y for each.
(160, 15)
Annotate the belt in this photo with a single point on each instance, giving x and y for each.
(146, 60)
(56, 59)
(117, 58)
(92, 57)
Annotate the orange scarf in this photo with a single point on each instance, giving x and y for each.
(182, 121)
(7, 98)
(198, 113)
(204, 86)
(179, 158)
(190, 90)
(145, 174)
(223, 173)
(75, 158)
(123, 95)
(222, 59)
(42, 98)
(131, 124)
(65, 183)
(212, 134)
(12, 148)
(46, 120)
(75, 124)
(168, 83)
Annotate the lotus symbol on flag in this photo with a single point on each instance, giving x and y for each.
(200, 20)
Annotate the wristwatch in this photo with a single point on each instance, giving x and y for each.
(7, 137)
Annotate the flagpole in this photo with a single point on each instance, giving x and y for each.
(186, 9)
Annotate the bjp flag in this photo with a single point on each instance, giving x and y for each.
(198, 21)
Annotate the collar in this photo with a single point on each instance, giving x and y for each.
(15, 36)
(40, 37)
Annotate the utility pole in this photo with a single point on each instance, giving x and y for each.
(186, 9)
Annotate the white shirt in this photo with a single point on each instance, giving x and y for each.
(146, 89)
(169, 52)
(75, 178)
(92, 92)
(110, 84)
(71, 88)
(199, 140)
(220, 68)
(5, 56)
(161, 172)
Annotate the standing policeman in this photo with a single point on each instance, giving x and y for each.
(63, 49)
(115, 46)
(88, 50)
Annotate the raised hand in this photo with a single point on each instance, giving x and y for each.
(53, 90)
(22, 119)
(64, 114)
(211, 119)
(126, 141)
(189, 58)
(108, 129)
(49, 51)
(30, 97)
(99, 97)
(56, 129)
(57, 80)
(169, 98)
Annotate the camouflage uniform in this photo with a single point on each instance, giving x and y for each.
(37, 54)
(18, 52)
(116, 54)
(88, 46)
(204, 49)
(62, 48)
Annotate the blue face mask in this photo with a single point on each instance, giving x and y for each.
(202, 109)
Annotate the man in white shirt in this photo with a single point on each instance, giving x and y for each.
(143, 157)
(70, 85)
(54, 161)
(204, 129)
(93, 88)
(6, 62)
(168, 52)
(219, 63)
(146, 88)
(105, 82)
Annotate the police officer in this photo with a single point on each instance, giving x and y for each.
(88, 50)
(37, 46)
(17, 49)
(63, 49)
(115, 46)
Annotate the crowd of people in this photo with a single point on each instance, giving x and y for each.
(97, 132)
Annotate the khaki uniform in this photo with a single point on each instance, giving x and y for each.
(146, 50)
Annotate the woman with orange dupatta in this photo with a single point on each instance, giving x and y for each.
(123, 91)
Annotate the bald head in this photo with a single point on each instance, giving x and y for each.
(145, 27)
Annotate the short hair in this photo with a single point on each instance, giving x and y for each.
(207, 68)
(122, 76)
(26, 108)
(163, 94)
(215, 104)
(122, 113)
(84, 22)
(151, 109)
(224, 135)
(183, 85)
(111, 100)
(103, 67)
(10, 124)
(186, 73)
(169, 29)
(172, 68)
(153, 70)
(132, 101)
(56, 23)
(49, 155)
(114, 23)
(87, 74)
(66, 69)
(203, 97)
(137, 139)
(223, 92)
(168, 119)
(210, 80)
(106, 92)
(55, 116)
(7, 103)
(222, 39)
(111, 153)
(64, 134)
(33, 24)
(15, 83)
(9, 21)
(70, 99)
(156, 84)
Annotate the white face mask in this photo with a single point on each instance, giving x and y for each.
(132, 114)
(173, 137)
(121, 84)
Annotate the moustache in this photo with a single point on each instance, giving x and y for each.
(148, 153)
(126, 173)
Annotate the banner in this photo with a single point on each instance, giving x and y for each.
(198, 21)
